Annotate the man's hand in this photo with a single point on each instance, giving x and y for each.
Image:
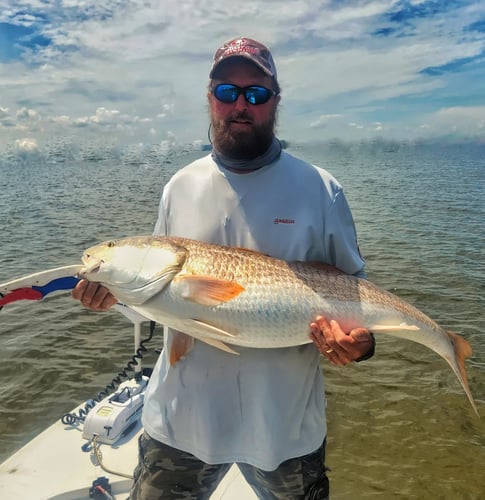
(338, 347)
(93, 296)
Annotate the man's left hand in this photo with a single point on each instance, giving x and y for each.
(338, 347)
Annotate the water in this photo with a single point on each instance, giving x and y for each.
(399, 425)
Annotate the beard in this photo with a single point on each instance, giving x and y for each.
(242, 144)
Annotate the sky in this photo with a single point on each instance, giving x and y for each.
(136, 71)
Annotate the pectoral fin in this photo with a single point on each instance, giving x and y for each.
(207, 291)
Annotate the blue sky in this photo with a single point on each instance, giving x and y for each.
(135, 71)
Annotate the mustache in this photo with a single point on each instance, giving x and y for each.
(242, 115)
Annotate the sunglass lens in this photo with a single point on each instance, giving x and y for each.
(257, 95)
(226, 93)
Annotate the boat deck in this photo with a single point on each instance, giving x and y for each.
(53, 466)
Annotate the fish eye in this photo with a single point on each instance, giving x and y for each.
(111, 244)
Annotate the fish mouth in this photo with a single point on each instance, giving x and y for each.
(91, 265)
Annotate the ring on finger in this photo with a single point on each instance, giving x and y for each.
(328, 351)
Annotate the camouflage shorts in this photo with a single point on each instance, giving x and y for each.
(165, 473)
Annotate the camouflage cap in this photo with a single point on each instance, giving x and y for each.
(252, 50)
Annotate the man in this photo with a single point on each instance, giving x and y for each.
(263, 409)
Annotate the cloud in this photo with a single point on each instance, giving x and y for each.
(323, 120)
(25, 114)
(6, 119)
(119, 68)
(26, 145)
(470, 120)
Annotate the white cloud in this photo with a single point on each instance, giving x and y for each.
(81, 122)
(475, 113)
(27, 114)
(104, 115)
(120, 67)
(61, 120)
(26, 145)
(466, 120)
(323, 120)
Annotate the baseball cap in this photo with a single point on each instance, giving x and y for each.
(252, 50)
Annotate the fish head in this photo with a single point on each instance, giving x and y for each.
(134, 269)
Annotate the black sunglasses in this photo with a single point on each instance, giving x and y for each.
(254, 94)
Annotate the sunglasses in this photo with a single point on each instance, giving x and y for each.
(254, 94)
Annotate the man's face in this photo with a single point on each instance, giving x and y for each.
(242, 130)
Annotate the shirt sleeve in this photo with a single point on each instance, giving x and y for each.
(161, 224)
(341, 238)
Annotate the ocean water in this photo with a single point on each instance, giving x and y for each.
(400, 425)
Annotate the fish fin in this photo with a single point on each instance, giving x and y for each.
(182, 343)
(213, 329)
(206, 290)
(392, 328)
(463, 350)
(219, 345)
(180, 346)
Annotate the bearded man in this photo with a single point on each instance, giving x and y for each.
(264, 409)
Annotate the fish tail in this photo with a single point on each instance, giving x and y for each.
(463, 351)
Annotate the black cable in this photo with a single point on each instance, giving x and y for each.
(73, 418)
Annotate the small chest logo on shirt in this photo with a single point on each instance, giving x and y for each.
(279, 220)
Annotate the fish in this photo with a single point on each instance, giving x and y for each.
(229, 297)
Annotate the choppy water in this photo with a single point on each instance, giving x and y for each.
(399, 425)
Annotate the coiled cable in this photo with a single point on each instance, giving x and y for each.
(74, 418)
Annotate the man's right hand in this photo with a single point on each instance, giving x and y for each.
(93, 296)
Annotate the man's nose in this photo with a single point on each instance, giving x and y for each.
(241, 102)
